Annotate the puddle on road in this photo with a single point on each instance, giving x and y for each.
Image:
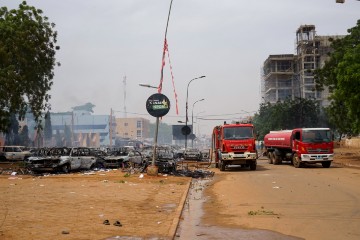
(190, 226)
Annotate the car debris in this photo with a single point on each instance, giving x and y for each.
(62, 159)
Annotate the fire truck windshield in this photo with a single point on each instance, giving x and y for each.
(312, 136)
(233, 133)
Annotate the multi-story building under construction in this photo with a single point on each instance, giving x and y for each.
(292, 75)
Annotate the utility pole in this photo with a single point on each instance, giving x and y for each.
(110, 128)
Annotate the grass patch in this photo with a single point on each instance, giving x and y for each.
(262, 211)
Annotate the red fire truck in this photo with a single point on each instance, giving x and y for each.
(301, 145)
(234, 144)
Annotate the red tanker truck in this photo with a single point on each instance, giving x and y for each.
(234, 144)
(301, 145)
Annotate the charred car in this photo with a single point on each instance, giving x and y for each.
(192, 154)
(62, 160)
(164, 159)
(205, 154)
(120, 158)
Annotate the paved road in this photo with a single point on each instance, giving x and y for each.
(309, 203)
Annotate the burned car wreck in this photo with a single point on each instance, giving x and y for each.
(62, 159)
(164, 159)
(120, 158)
(192, 154)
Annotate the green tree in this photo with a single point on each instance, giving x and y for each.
(341, 73)
(27, 61)
(288, 114)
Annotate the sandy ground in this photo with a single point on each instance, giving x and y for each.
(74, 206)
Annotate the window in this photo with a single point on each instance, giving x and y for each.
(284, 94)
(238, 133)
(309, 80)
(138, 124)
(309, 95)
(126, 124)
(316, 136)
(284, 83)
(138, 133)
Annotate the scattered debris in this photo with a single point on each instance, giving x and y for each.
(117, 223)
(195, 173)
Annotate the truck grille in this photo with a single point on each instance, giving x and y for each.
(318, 150)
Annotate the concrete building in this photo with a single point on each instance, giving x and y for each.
(132, 128)
(290, 76)
(87, 129)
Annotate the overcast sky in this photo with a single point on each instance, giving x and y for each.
(102, 41)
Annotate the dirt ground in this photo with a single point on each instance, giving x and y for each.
(74, 206)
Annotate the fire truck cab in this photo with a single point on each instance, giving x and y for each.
(234, 144)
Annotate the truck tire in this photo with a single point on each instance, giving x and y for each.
(296, 161)
(270, 160)
(221, 165)
(326, 164)
(276, 159)
(253, 166)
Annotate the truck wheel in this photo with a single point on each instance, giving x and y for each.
(296, 161)
(276, 159)
(270, 160)
(273, 158)
(253, 166)
(222, 165)
(326, 164)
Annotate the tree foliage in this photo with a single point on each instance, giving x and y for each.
(288, 114)
(27, 61)
(341, 73)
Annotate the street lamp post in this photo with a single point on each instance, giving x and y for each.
(156, 128)
(192, 120)
(187, 97)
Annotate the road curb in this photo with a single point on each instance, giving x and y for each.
(178, 212)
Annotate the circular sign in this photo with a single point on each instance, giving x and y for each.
(185, 130)
(158, 105)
